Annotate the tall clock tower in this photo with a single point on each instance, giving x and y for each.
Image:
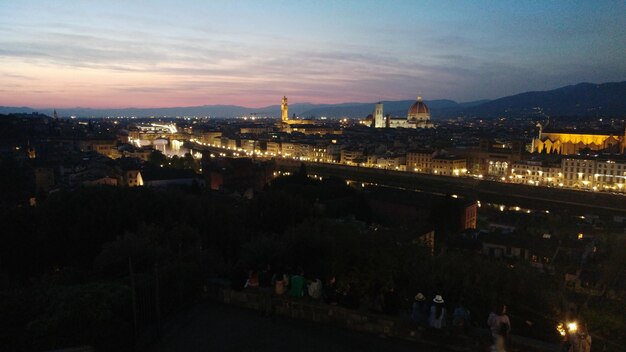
(284, 108)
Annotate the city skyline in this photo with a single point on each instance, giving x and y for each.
(119, 55)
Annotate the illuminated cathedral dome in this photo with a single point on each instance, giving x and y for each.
(418, 111)
(417, 117)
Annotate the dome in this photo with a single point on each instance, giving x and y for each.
(418, 108)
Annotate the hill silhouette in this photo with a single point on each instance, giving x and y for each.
(583, 99)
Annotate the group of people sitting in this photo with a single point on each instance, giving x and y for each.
(297, 285)
(427, 313)
(430, 313)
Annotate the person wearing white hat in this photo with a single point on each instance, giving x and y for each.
(437, 319)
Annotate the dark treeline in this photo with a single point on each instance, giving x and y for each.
(87, 267)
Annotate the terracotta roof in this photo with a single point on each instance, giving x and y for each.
(419, 107)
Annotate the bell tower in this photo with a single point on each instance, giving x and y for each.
(379, 121)
(284, 109)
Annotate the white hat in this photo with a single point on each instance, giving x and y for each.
(438, 299)
(420, 297)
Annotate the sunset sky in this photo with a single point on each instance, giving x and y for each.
(184, 53)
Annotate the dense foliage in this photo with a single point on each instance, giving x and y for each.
(98, 266)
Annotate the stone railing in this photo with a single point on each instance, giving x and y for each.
(382, 325)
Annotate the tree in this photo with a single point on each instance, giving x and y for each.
(157, 158)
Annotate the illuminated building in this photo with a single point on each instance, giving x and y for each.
(594, 173)
(304, 126)
(273, 148)
(369, 121)
(309, 128)
(255, 129)
(208, 137)
(104, 146)
(301, 150)
(287, 149)
(391, 162)
(332, 152)
(166, 136)
(286, 123)
(250, 145)
(320, 154)
(379, 120)
(132, 178)
(371, 161)
(418, 116)
(491, 158)
(449, 165)
(32, 152)
(351, 156)
(567, 142)
(610, 175)
(536, 173)
(468, 214)
(304, 151)
(425, 161)
(142, 153)
(284, 110)
(228, 143)
(419, 160)
(576, 172)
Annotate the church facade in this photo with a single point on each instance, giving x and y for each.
(418, 116)
(568, 142)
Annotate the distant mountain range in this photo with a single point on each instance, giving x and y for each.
(583, 99)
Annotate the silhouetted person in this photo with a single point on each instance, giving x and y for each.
(500, 327)
(391, 302)
(330, 294)
(350, 298)
(461, 317)
(297, 284)
(419, 309)
(437, 319)
(580, 340)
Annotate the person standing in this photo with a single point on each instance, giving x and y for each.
(391, 301)
(419, 310)
(500, 327)
(580, 340)
(461, 317)
(265, 290)
(437, 319)
(329, 291)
